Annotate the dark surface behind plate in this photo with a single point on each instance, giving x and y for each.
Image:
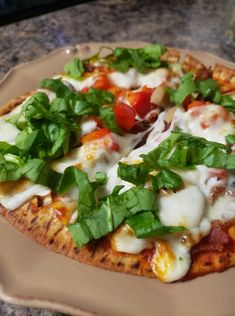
(199, 24)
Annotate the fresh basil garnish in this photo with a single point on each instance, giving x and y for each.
(74, 68)
(147, 224)
(136, 173)
(181, 150)
(141, 59)
(207, 89)
(166, 179)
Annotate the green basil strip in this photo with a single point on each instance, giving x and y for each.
(108, 117)
(136, 174)
(187, 87)
(141, 58)
(74, 68)
(73, 176)
(147, 224)
(181, 150)
(112, 212)
(230, 139)
(166, 179)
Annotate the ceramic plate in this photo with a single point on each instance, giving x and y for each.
(33, 276)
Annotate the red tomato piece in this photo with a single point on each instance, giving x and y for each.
(141, 102)
(100, 133)
(196, 103)
(125, 116)
(102, 82)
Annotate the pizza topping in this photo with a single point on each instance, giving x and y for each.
(82, 124)
(14, 200)
(207, 89)
(74, 68)
(171, 259)
(140, 101)
(141, 58)
(183, 208)
(124, 240)
(125, 116)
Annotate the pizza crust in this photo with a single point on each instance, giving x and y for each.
(40, 223)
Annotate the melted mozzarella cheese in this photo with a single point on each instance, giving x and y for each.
(78, 84)
(13, 200)
(211, 122)
(171, 260)
(124, 80)
(123, 240)
(132, 78)
(183, 208)
(88, 126)
(96, 155)
(8, 132)
(223, 209)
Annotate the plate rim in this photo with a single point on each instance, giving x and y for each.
(36, 302)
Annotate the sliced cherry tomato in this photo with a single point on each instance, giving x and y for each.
(125, 116)
(187, 100)
(195, 103)
(115, 147)
(102, 82)
(85, 90)
(98, 121)
(100, 133)
(141, 102)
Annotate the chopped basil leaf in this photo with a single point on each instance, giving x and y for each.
(80, 233)
(181, 150)
(73, 176)
(141, 58)
(98, 97)
(57, 86)
(207, 89)
(147, 224)
(166, 179)
(230, 139)
(108, 117)
(187, 86)
(74, 68)
(112, 212)
(136, 174)
(38, 171)
(101, 177)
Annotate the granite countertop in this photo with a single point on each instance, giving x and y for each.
(191, 24)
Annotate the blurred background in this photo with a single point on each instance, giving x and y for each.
(15, 10)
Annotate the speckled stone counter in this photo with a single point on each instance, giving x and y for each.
(192, 24)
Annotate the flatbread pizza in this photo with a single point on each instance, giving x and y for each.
(126, 162)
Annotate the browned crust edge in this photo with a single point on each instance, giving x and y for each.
(44, 228)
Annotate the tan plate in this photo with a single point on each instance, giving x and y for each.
(31, 275)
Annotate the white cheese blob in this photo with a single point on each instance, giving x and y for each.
(153, 78)
(183, 208)
(8, 132)
(211, 122)
(132, 78)
(171, 260)
(123, 240)
(97, 155)
(124, 80)
(13, 200)
(223, 209)
(77, 84)
(87, 126)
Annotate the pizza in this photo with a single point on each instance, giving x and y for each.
(125, 161)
